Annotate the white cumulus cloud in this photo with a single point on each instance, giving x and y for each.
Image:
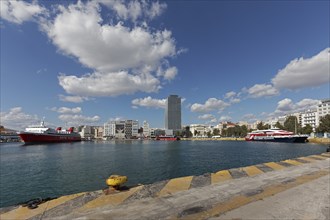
(74, 99)
(66, 110)
(230, 94)
(169, 73)
(134, 10)
(232, 97)
(249, 117)
(211, 104)
(149, 102)
(78, 31)
(209, 118)
(124, 59)
(20, 11)
(308, 72)
(307, 103)
(17, 119)
(74, 120)
(286, 106)
(108, 84)
(261, 90)
(225, 118)
(206, 117)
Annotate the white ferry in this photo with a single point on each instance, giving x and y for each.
(276, 135)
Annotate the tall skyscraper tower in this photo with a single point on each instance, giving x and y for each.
(173, 113)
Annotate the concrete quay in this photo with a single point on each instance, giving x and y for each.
(291, 189)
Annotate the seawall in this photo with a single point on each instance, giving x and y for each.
(319, 140)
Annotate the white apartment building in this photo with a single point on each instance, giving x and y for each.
(298, 116)
(146, 129)
(323, 108)
(310, 117)
(109, 129)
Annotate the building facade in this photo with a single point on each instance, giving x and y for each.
(86, 132)
(131, 129)
(310, 117)
(146, 129)
(198, 130)
(121, 129)
(323, 108)
(108, 130)
(173, 113)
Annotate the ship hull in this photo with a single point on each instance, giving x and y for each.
(292, 139)
(301, 139)
(48, 138)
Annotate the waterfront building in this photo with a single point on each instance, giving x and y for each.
(98, 134)
(298, 115)
(169, 132)
(323, 108)
(131, 129)
(154, 132)
(86, 132)
(271, 123)
(281, 119)
(109, 130)
(226, 124)
(254, 125)
(220, 127)
(121, 129)
(198, 130)
(310, 117)
(173, 113)
(146, 129)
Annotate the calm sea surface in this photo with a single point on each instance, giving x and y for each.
(52, 170)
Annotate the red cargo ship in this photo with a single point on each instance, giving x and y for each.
(43, 134)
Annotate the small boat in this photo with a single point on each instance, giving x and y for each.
(167, 138)
(276, 135)
(43, 134)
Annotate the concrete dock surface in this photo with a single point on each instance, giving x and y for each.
(291, 189)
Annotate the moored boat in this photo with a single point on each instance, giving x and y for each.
(43, 134)
(167, 138)
(276, 135)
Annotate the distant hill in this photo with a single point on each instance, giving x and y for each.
(4, 130)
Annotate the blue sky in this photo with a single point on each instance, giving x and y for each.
(88, 62)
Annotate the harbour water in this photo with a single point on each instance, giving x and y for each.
(52, 170)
